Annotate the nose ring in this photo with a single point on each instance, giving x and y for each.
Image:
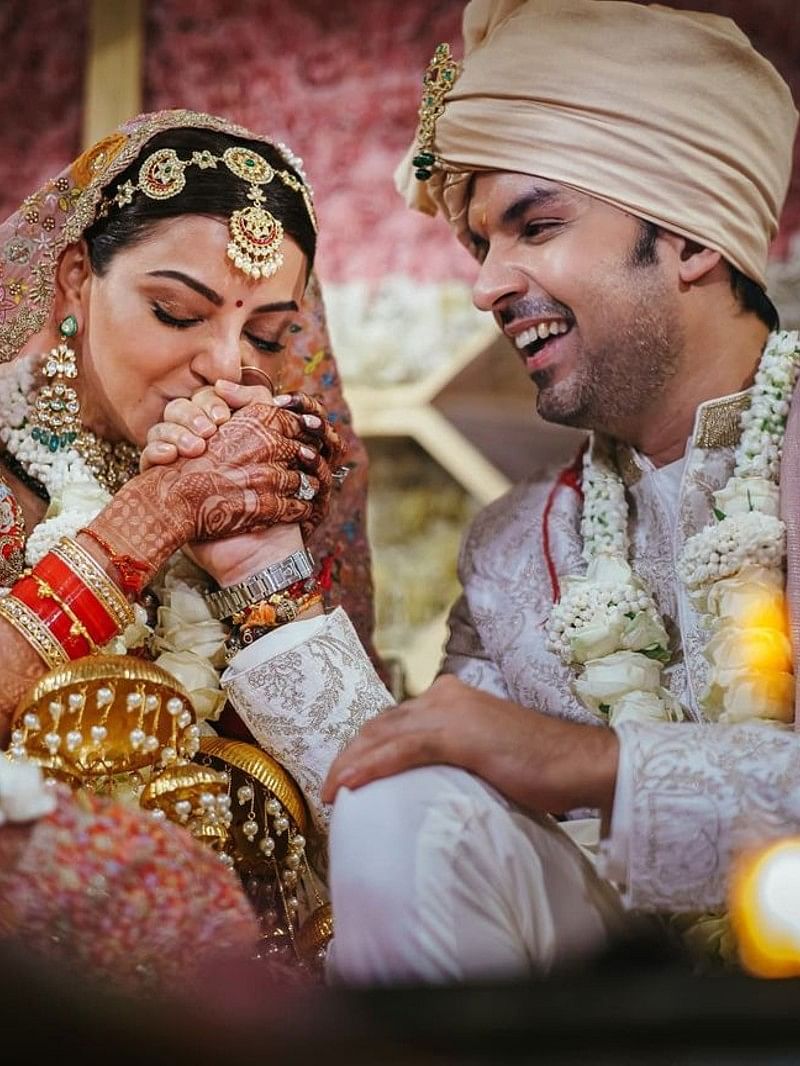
(259, 373)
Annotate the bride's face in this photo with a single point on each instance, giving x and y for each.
(172, 314)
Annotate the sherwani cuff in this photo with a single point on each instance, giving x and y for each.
(614, 849)
(700, 794)
(304, 691)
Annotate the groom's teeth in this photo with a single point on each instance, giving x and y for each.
(540, 332)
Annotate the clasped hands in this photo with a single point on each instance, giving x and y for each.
(233, 455)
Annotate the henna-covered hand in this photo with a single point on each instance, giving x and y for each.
(246, 477)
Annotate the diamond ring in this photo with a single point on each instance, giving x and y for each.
(306, 490)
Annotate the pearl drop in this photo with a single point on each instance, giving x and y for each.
(174, 706)
(151, 703)
(105, 696)
(137, 738)
(134, 701)
(31, 721)
(184, 719)
(99, 733)
(73, 739)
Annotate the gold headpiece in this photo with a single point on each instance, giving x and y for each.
(438, 80)
(256, 235)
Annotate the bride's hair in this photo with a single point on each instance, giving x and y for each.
(208, 191)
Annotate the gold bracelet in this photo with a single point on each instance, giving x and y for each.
(75, 556)
(77, 628)
(33, 629)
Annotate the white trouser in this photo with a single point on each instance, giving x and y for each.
(436, 877)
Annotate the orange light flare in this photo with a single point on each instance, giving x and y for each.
(765, 909)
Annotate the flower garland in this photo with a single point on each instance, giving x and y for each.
(187, 641)
(607, 621)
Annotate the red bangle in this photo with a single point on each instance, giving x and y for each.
(52, 616)
(133, 573)
(73, 590)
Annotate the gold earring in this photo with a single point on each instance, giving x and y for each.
(56, 415)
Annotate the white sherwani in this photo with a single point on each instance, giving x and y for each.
(689, 795)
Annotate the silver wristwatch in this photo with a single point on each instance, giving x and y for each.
(226, 602)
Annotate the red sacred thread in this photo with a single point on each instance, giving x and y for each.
(572, 478)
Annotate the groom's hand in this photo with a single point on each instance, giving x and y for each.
(540, 763)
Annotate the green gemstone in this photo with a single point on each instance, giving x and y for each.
(53, 444)
(69, 326)
(422, 174)
(424, 159)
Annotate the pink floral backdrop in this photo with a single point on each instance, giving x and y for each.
(338, 80)
(41, 91)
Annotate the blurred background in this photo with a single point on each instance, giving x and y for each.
(444, 406)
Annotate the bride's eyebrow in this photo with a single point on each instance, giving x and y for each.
(280, 305)
(191, 283)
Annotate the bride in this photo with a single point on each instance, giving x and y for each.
(153, 298)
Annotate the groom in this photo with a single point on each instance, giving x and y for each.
(618, 171)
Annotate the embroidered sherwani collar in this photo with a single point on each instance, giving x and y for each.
(716, 425)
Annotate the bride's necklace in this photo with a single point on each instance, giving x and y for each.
(78, 481)
(607, 623)
(111, 465)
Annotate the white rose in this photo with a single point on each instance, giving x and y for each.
(752, 598)
(610, 570)
(186, 601)
(644, 630)
(24, 796)
(758, 651)
(185, 623)
(638, 707)
(605, 680)
(200, 680)
(658, 706)
(744, 494)
(596, 640)
(767, 696)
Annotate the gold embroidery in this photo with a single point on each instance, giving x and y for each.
(718, 421)
(629, 469)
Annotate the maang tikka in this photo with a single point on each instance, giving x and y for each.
(256, 235)
(56, 414)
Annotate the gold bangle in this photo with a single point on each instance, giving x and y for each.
(33, 629)
(75, 556)
(77, 628)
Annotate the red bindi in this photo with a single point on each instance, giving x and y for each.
(240, 303)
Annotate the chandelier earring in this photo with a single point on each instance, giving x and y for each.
(56, 415)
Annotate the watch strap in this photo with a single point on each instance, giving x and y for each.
(224, 603)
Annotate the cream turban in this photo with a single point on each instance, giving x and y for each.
(670, 115)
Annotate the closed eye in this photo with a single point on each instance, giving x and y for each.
(537, 228)
(264, 345)
(171, 320)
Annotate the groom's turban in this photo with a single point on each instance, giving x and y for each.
(670, 115)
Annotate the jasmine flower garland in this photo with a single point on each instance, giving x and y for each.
(607, 623)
